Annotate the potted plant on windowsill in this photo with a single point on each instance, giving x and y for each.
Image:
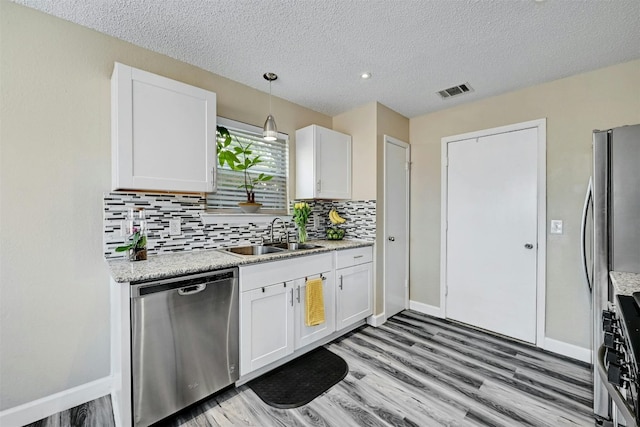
(239, 158)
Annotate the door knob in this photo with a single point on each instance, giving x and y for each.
(392, 239)
(528, 246)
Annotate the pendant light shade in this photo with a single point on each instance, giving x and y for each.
(270, 130)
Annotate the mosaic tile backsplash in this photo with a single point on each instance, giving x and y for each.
(160, 208)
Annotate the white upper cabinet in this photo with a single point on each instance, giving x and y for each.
(323, 164)
(163, 133)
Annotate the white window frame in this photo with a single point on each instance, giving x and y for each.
(214, 215)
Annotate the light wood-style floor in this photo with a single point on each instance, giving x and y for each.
(419, 371)
(416, 370)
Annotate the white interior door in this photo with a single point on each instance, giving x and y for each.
(492, 232)
(396, 226)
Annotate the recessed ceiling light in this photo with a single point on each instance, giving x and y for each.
(365, 76)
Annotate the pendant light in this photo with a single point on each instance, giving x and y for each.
(270, 131)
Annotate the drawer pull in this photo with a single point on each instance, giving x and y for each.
(263, 290)
(341, 282)
(358, 256)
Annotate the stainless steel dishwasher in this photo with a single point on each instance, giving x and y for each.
(184, 341)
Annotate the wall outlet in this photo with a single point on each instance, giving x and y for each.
(556, 226)
(316, 221)
(175, 228)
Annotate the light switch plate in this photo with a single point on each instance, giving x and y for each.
(556, 226)
(175, 228)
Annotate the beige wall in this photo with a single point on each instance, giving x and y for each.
(574, 107)
(360, 123)
(367, 126)
(55, 166)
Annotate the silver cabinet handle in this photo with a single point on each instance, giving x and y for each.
(340, 282)
(318, 185)
(291, 297)
(392, 239)
(298, 298)
(358, 256)
(528, 246)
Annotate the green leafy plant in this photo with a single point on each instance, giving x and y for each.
(239, 158)
(138, 242)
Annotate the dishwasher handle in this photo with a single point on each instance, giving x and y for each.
(192, 290)
(185, 285)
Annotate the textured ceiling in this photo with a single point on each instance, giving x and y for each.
(319, 48)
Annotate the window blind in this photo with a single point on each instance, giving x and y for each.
(275, 162)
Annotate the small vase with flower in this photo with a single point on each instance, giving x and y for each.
(301, 212)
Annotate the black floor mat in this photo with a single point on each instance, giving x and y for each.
(300, 381)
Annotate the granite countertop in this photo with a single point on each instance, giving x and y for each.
(625, 283)
(181, 263)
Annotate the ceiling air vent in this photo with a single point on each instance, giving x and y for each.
(455, 90)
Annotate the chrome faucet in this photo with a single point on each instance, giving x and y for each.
(272, 224)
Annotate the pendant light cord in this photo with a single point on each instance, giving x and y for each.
(270, 97)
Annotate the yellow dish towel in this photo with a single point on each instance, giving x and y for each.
(314, 304)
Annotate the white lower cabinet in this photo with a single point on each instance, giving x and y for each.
(273, 298)
(272, 317)
(354, 295)
(305, 335)
(354, 290)
(267, 328)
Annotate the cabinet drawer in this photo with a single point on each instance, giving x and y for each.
(258, 275)
(350, 257)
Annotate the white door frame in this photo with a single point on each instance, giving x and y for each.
(407, 147)
(541, 125)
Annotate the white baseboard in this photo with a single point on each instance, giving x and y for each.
(566, 349)
(38, 409)
(430, 310)
(376, 320)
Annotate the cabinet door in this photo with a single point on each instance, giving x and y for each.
(266, 325)
(354, 294)
(163, 133)
(308, 334)
(333, 164)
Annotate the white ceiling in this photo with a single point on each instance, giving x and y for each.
(413, 48)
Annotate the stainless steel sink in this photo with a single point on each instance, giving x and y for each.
(270, 248)
(293, 246)
(254, 250)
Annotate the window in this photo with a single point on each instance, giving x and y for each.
(275, 162)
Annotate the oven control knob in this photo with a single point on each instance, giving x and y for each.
(610, 340)
(608, 325)
(612, 356)
(615, 374)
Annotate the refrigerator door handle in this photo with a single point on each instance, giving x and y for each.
(583, 234)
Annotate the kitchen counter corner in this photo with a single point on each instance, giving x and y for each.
(625, 283)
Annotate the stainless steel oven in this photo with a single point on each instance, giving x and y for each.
(619, 356)
(184, 341)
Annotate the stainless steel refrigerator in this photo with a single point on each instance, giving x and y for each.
(610, 229)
